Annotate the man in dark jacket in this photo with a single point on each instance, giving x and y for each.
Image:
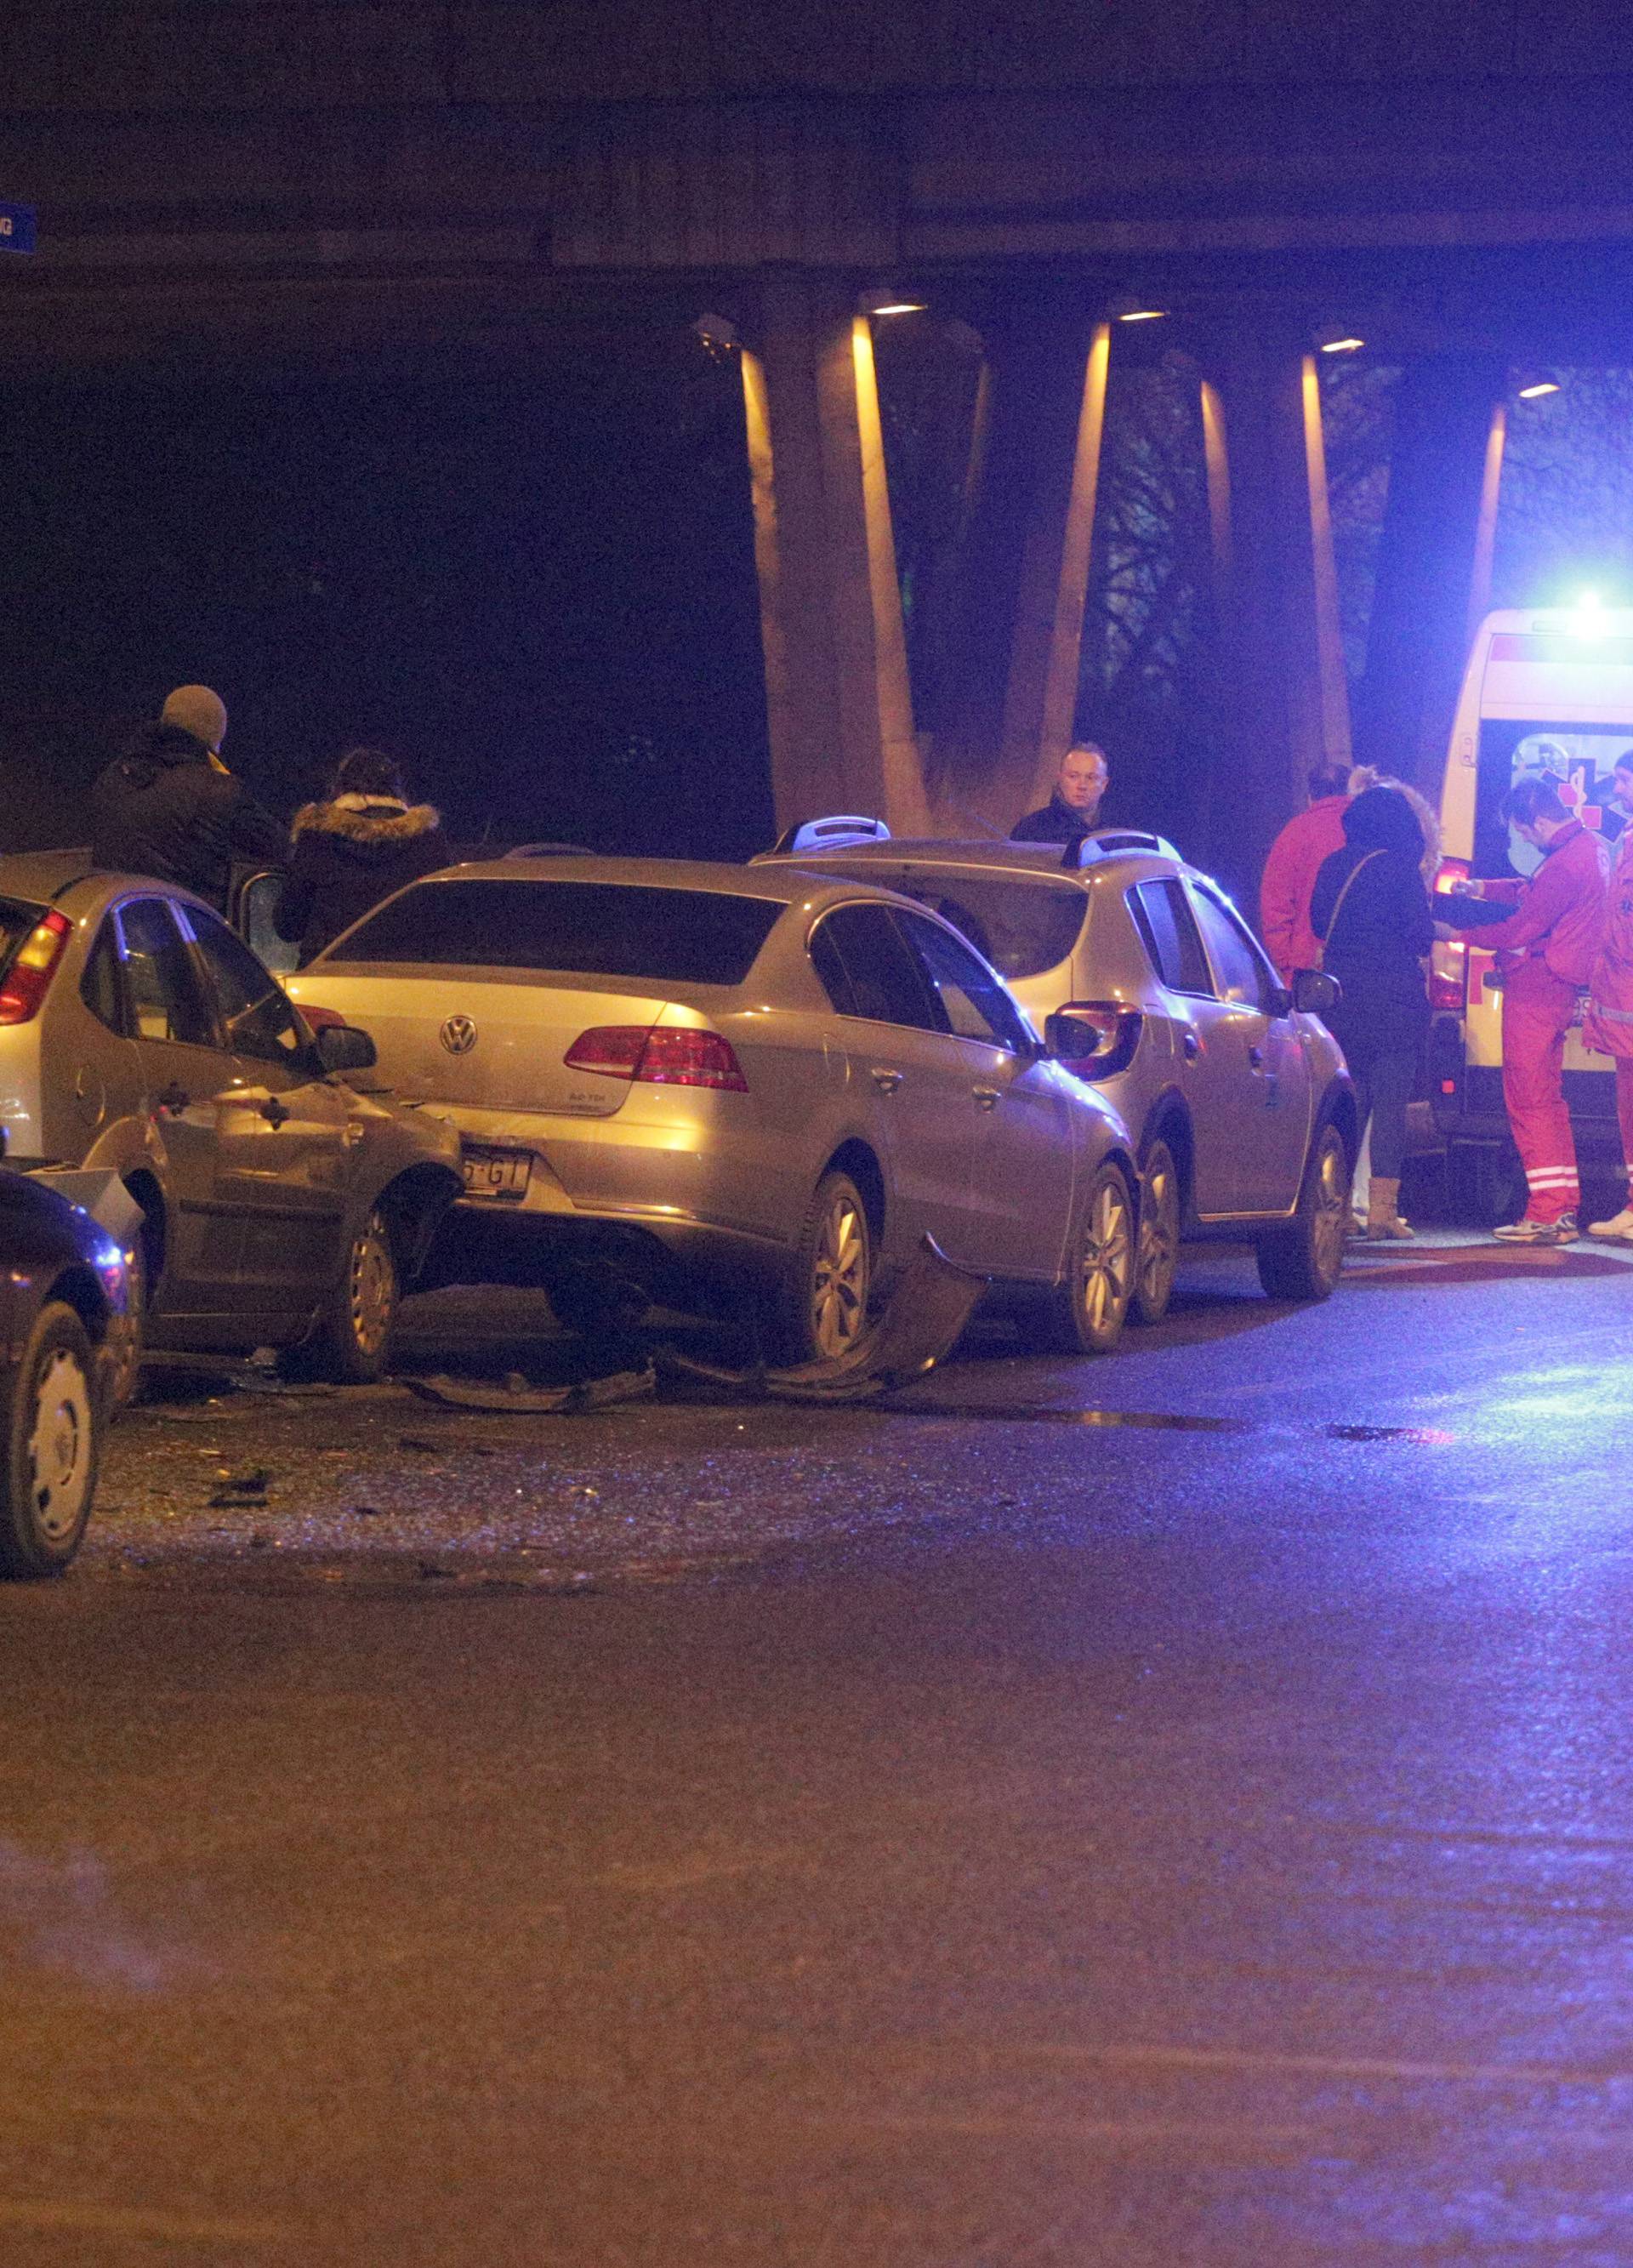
(350, 851)
(1074, 809)
(170, 807)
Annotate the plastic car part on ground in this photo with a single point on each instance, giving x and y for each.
(517, 1397)
(927, 1314)
(932, 1305)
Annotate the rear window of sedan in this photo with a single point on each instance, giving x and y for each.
(584, 928)
(1022, 928)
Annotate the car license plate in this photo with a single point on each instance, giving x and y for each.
(497, 1173)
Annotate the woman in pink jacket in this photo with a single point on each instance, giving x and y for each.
(1607, 1027)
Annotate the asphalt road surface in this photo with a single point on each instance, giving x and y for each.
(1171, 1809)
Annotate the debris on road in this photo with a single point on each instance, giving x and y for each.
(241, 1491)
(516, 1398)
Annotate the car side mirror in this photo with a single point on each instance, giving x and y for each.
(1315, 993)
(342, 1047)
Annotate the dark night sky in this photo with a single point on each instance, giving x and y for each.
(538, 590)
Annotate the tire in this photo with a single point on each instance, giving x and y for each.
(351, 1344)
(1086, 1314)
(127, 1371)
(1485, 1183)
(1304, 1259)
(830, 1287)
(1158, 1253)
(56, 1439)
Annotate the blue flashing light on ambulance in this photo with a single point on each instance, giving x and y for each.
(1547, 690)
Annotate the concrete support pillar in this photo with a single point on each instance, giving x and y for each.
(1434, 560)
(1284, 704)
(1485, 524)
(837, 676)
(1005, 718)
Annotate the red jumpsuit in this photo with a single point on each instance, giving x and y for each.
(1547, 949)
(1608, 1025)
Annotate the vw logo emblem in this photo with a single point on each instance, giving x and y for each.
(458, 1034)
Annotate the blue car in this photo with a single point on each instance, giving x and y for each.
(64, 1333)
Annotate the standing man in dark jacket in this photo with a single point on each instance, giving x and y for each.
(350, 851)
(1074, 809)
(1371, 909)
(1546, 948)
(170, 808)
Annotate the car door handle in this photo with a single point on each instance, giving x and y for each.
(1192, 1046)
(173, 1098)
(1256, 1056)
(985, 1096)
(273, 1111)
(885, 1081)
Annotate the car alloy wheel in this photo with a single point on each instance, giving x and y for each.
(1106, 1258)
(371, 1287)
(1303, 1258)
(840, 1247)
(1330, 1220)
(1158, 1253)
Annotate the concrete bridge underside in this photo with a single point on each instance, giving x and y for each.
(327, 179)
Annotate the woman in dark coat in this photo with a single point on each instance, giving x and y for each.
(1371, 909)
(366, 841)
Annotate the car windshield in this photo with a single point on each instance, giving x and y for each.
(585, 929)
(1022, 928)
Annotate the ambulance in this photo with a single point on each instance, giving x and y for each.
(1547, 691)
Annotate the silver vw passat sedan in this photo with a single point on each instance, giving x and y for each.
(1236, 1093)
(280, 1206)
(674, 1082)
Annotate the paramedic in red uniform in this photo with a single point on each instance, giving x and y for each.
(1608, 1027)
(1547, 949)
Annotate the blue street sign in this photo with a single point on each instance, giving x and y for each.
(16, 228)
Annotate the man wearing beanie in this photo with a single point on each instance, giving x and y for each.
(170, 807)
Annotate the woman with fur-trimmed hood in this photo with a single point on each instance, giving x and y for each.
(350, 851)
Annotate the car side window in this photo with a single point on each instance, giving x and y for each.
(101, 987)
(255, 1011)
(1241, 972)
(166, 1001)
(1167, 927)
(882, 980)
(973, 1000)
(829, 965)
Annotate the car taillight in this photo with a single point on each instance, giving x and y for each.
(658, 1054)
(1448, 964)
(1119, 1027)
(32, 968)
(1448, 978)
(319, 1019)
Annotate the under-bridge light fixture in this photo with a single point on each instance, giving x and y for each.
(1131, 308)
(1533, 389)
(891, 299)
(718, 333)
(1339, 338)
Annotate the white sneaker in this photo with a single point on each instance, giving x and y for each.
(1619, 1231)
